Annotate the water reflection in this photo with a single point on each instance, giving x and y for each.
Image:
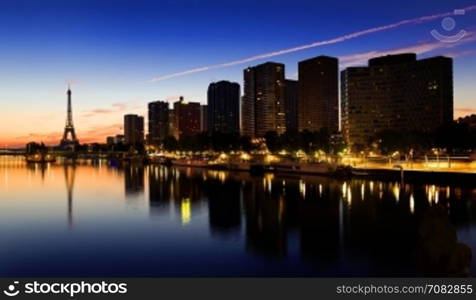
(134, 180)
(265, 217)
(224, 207)
(234, 224)
(160, 191)
(336, 221)
(69, 175)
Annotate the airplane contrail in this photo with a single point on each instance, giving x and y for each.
(336, 40)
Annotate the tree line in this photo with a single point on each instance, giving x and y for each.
(454, 138)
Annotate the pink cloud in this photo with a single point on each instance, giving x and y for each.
(114, 109)
(420, 48)
(464, 111)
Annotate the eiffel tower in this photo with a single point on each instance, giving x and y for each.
(71, 141)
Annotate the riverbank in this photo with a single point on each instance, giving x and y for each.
(343, 171)
(382, 172)
(423, 176)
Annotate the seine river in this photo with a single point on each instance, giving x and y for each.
(98, 220)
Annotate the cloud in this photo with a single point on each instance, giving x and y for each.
(462, 53)
(115, 108)
(98, 134)
(420, 48)
(336, 40)
(91, 135)
(464, 111)
(49, 138)
(72, 83)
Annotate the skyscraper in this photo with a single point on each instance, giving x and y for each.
(187, 118)
(203, 118)
(224, 107)
(291, 105)
(172, 124)
(263, 107)
(134, 130)
(158, 121)
(318, 105)
(396, 92)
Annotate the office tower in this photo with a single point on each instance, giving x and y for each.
(133, 130)
(187, 118)
(203, 118)
(224, 107)
(158, 121)
(318, 105)
(396, 92)
(291, 105)
(263, 107)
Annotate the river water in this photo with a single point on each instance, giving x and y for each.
(97, 220)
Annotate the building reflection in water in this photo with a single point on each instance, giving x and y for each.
(69, 173)
(265, 217)
(224, 207)
(319, 219)
(134, 180)
(160, 191)
(332, 221)
(69, 177)
(187, 194)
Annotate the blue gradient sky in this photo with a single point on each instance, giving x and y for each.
(110, 50)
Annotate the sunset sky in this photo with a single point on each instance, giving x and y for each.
(120, 54)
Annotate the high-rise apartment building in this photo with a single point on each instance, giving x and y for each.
(172, 124)
(204, 118)
(158, 121)
(291, 105)
(318, 105)
(396, 92)
(224, 107)
(263, 107)
(133, 130)
(187, 118)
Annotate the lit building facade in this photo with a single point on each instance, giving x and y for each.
(187, 118)
(263, 106)
(396, 92)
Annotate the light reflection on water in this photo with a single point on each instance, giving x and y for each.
(95, 220)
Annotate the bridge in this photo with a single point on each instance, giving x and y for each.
(4, 151)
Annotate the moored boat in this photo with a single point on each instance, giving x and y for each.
(190, 163)
(308, 168)
(41, 158)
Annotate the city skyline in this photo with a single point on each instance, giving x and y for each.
(100, 103)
